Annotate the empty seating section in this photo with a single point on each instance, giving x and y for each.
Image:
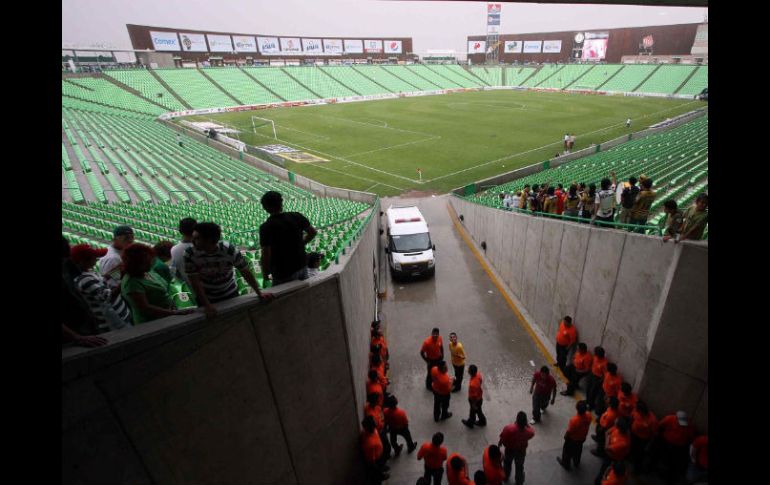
(434, 77)
(629, 78)
(515, 76)
(666, 80)
(697, 82)
(144, 82)
(194, 88)
(418, 76)
(465, 74)
(456, 74)
(357, 81)
(545, 72)
(596, 76)
(565, 76)
(386, 79)
(245, 89)
(319, 82)
(492, 75)
(279, 82)
(106, 93)
(675, 160)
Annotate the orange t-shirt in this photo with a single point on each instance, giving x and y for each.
(376, 413)
(442, 383)
(434, 455)
(582, 361)
(599, 366)
(375, 388)
(627, 403)
(674, 433)
(434, 351)
(577, 429)
(612, 479)
(618, 445)
(611, 384)
(380, 340)
(644, 427)
(453, 477)
(396, 418)
(701, 445)
(372, 446)
(474, 387)
(566, 336)
(608, 418)
(493, 471)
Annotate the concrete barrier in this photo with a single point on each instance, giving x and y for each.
(250, 396)
(643, 300)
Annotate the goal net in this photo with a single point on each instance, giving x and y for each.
(264, 127)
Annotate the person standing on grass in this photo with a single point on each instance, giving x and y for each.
(544, 385)
(628, 123)
(515, 438)
(457, 352)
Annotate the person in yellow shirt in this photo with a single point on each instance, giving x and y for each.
(458, 360)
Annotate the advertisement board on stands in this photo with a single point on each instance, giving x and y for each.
(373, 46)
(551, 46)
(513, 46)
(244, 43)
(333, 46)
(193, 42)
(354, 46)
(477, 46)
(393, 46)
(268, 45)
(220, 43)
(290, 44)
(164, 41)
(532, 46)
(312, 46)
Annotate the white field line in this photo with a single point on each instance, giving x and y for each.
(394, 146)
(386, 127)
(522, 107)
(548, 145)
(371, 187)
(303, 132)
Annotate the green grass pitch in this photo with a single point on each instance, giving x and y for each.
(455, 139)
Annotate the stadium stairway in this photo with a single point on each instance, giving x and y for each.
(394, 82)
(648, 77)
(219, 86)
(441, 71)
(696, 83)
(686, 80)
(581, 76)
(483, 80)
(293, 78)
(463, 73)
(552, 74)
(425, 75)
(334, 79)
(133, 91)
(357, 81)
(262, 84)
(596, 77)
(385, 89)
(667, 79)
(168, 88)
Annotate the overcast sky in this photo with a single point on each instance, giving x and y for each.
(432, 25)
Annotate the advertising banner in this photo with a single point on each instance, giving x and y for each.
(373, 46)
(164, 41)
(493, 29)
(312, 46)
(333, 46)
(493, 19)
(551, 46)
(244, 43)
(268, 45)
(193, 42)
(477, 46)
(220, 43)
(290, 44)
(532, 46)
(354, 46)
(513, 46)
(494, 7)
(393, 46)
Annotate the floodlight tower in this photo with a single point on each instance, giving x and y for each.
(493, 32)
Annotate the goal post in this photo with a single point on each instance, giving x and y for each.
(257, 122)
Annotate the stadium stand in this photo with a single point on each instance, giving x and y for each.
(492, 76)
(597, 76)
(280, 83)
(696, 83)
(319, 82)
(354, 79)
(241, 86)
(542, 74)
(515, 76)
(456, 74)
(194, 88)
(666, 80)
(566, 76)
(629, 78)
(420, 78)
(385, 79)
(106, 93)
(144, 82)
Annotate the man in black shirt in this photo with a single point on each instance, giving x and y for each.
(282, 238)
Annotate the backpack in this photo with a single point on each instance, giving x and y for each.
(628, 196)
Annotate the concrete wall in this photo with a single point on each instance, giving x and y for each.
(251, 396)
(643, 300)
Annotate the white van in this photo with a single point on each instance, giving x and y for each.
(409, 249)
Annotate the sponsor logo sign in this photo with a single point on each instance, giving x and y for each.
(513, 46)
(551, 46)
(493, 29)
(268, 45)
(393, 46)
(477, 46)
(493, 19)
(275, 149)
(220, 43)
(373, 46)
(494, 7)
(291, 44)
(312, 46)
(648, 42)
(354, 46)
(532, 46)
(164, 41)
(193, 42)
(333, 46)
(244, 43)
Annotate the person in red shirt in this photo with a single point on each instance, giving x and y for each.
(371, 446)
(543, 385)
(616, 474)
(515, 438)
(594, 388)
(611, 382)
(373, 386)
(379, 339)
(493, 468)
(617, 446)
(398, 425)
(675, 433)
(371, 408)
(442, 389)
(627, 399)
(432, 352)
(475, 399)
(578, 369)
(435, 456)
(699, 460)
(644, 426)
(577, 430)
(606, 421)
(457, 470)
(378, 365)
(559, 193)
(566, 337)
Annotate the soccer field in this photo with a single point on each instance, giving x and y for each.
(455, 139)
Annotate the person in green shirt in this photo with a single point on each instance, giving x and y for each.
(673, 220)
(144, 290)
(695, 219)
(162, 257)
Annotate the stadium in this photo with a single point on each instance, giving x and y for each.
(563, 176)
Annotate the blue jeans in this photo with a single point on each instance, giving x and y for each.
(300, 274)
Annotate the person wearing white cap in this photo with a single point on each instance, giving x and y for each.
(675, 435)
